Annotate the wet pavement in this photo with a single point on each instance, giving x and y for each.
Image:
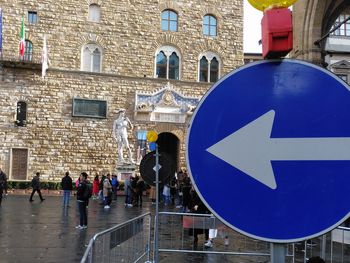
(45, 232)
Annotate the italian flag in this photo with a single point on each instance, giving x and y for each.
(22, 42)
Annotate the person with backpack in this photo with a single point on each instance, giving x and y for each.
(83, 195)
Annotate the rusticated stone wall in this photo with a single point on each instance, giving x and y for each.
(129, 33)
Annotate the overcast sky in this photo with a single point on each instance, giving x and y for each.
(252, 30)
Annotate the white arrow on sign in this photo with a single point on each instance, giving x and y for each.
(251, 149)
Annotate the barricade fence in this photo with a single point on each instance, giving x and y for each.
(188, 233)
(127, 242)
(182, 238)
(333, 247)
(340, 245)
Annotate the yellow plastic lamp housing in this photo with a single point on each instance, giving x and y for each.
(262, 5)
(152, 136)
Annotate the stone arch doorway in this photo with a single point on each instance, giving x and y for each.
(169, 143)
(312, 20)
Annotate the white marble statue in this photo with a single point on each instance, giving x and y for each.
(120, 134)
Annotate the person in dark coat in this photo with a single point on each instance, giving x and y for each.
(3, 183)
(82, 199)
(197, 206)
(140, 186)
(67, 187)
(36, 187)
(186, 196)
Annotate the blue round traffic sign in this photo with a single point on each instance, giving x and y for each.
(268, 150)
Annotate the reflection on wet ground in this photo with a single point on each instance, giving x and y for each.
(45, 232)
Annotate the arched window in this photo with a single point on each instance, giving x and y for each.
(174, 66)
(214, 70)
(161, 65)
(203, 69)
(94, 13)
(168, 63)
(21, 114)
(209, 25)
(209, 67)
(91, 58)
(28, 51)
(169, 20)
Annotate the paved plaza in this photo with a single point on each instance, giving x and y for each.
(45, 232)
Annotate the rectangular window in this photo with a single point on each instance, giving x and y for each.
(32, 17)
(89, 108)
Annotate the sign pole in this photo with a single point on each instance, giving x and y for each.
(152, 136)
(156, 234)
(278, 253)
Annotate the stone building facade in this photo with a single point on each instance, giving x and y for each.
(312, 21)
(322, 34)
(104, 56)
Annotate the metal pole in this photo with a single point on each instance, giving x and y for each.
(323, 247)
(156, 224)
(278, 253)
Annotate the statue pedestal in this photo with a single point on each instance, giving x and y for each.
(125, 170)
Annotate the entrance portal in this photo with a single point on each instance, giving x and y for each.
(169, 143)
(19, 164)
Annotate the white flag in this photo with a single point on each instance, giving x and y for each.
(44, 59)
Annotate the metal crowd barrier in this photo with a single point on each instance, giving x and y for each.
(126, 242)
(340, 245)
(131, 242)
(333, 247)
(177, 236)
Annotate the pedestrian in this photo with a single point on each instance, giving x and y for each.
(133, 183)
(128, 192)
(89, 190)
(107, 191)
(3, 177)
(197, 206)
(36, 187)
(186, 196)
(82, 198)
(166, 194)
(173, 191)
(95, 187)
(115, 185)
(3, 182)
(100, 188)
(140, 187)
(67, 187)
